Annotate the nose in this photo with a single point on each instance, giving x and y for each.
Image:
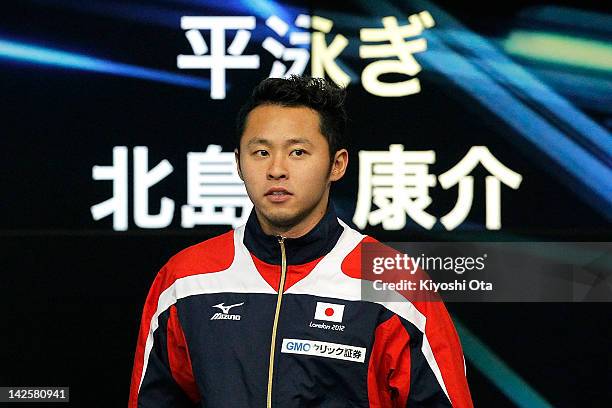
(277, 169)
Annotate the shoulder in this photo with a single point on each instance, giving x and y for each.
(351, 264)
(212, 255)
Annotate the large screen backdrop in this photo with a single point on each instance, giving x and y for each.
(465, 123)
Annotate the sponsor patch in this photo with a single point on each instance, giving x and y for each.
(324, 349)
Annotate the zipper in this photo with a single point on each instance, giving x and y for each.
(279, 300)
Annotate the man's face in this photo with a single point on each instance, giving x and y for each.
(285, 164)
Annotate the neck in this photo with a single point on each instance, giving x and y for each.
(307, 247)
(300, 228)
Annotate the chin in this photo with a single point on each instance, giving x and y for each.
(282, 217)
(283, 221)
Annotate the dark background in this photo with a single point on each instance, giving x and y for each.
(73, 289)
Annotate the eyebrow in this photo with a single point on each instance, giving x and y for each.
(258, 141)
(288, 142)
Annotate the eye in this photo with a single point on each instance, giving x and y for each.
(261, 153)
(298, 152)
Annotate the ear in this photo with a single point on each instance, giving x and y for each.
(339, 165)
(237, 157)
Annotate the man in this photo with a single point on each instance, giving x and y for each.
(270, 314)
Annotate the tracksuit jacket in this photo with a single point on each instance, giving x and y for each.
(246, 319)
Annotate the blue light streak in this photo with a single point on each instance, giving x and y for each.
(562, 132)
(140, 13)
(37, 55)
(574, 142)
(498, 372)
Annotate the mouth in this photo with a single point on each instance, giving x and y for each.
(278, 194)
(277, 191)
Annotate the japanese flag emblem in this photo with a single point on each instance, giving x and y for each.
(329, 311)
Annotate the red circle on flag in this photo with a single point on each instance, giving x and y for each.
(329, 311)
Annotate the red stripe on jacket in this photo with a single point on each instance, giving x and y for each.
(389, 367)
(216, 254)
(178, 357)
(439, 330)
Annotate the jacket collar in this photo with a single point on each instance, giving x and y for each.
(314, 244)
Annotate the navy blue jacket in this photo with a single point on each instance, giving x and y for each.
(217, 332)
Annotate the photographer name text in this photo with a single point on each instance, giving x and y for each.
(429, 285)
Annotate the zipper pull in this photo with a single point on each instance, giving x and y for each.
(280, 239)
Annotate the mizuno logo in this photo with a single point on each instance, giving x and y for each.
(225, 309)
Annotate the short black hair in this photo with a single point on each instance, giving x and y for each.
(318, 94)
